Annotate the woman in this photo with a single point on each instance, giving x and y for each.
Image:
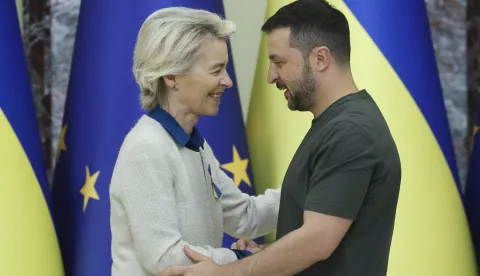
(167, 188)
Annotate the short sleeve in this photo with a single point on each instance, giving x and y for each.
(343, 166)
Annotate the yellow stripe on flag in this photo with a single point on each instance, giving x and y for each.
(269, 117)
(431, 235)
(28, 243)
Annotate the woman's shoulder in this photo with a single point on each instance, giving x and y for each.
(147, 137)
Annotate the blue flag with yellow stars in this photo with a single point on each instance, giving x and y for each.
(472, 191)
(102, 106)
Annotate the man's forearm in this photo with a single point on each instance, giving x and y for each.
(288, 256)
(265, 245)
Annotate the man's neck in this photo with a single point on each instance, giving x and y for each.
(332, 91)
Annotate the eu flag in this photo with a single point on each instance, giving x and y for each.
(472, 192)
(102, 105)
(28, 242)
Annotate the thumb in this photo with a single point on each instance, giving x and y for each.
(194, 255)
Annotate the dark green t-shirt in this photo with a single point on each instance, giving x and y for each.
(346, 166)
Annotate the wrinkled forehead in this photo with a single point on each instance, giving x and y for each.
(279, 41)
(279, 48)
(214, 51)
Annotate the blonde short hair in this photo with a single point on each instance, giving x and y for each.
(169, 43)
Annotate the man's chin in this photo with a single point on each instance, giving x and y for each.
(292, 107)
(296, 107)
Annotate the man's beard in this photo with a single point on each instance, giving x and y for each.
(303, 91)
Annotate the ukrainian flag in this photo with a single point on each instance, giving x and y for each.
(28, 243)
(393, 59)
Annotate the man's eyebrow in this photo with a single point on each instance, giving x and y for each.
(274, 56)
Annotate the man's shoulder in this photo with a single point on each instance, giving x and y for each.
(345, 125)
(357, 110)
(364, 126)
(362, 116)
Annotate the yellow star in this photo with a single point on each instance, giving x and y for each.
(238, 167)
(61, 141)
(88, 190)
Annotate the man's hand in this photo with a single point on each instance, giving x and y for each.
(175, 271)
(204, 267)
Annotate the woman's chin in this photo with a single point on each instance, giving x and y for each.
(211, 111)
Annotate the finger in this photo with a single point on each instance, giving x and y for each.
(241, 245)
(252, 243)
(194, 255)
(175, 271)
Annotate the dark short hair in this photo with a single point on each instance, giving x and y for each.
(313, 23)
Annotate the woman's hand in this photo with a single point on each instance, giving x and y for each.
(246, 244)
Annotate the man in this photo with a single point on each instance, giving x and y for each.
(340, 192)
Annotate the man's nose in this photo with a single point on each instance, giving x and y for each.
(272, 75)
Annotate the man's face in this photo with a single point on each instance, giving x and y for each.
(289, 71)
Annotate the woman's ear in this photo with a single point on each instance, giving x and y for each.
(170, 81)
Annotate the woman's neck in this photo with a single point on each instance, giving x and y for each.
(185, 119)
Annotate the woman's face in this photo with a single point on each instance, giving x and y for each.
(199, 91)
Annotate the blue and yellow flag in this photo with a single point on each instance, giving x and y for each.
(472, 192)
(28, 243)
(102, 105)
(393, 59)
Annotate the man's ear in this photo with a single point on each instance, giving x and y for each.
(170, 81)
(320, 58)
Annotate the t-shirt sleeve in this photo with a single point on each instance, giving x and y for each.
(342, 170)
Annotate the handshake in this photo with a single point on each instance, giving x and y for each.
(248, 244)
